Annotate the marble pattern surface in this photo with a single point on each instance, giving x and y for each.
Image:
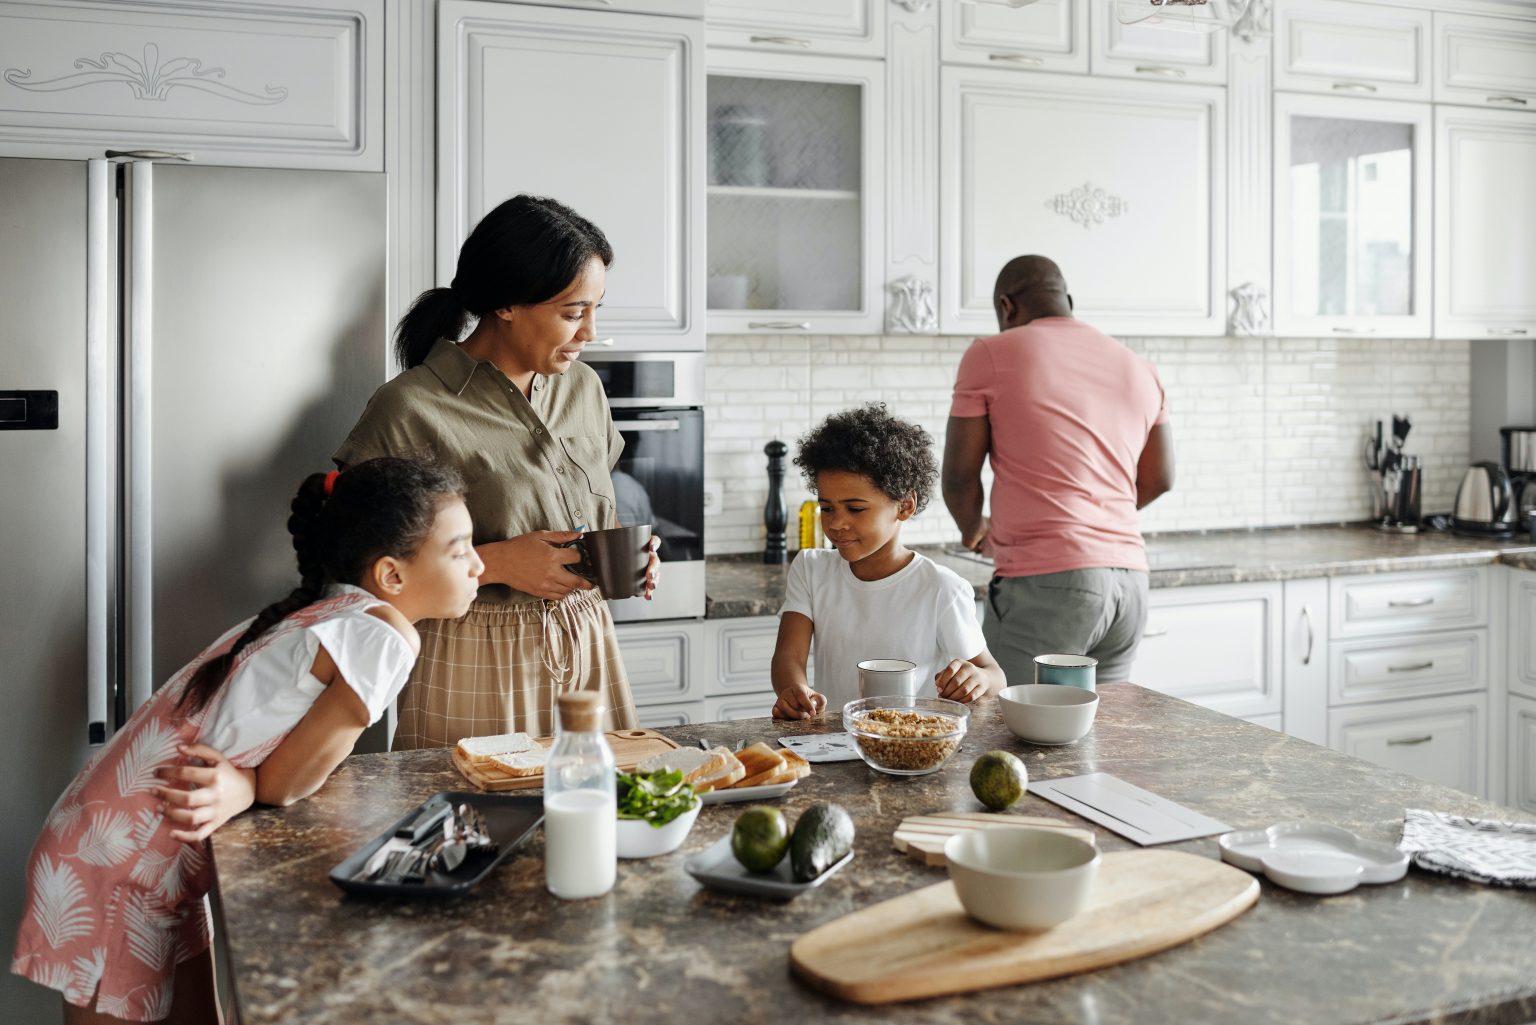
(659, 948)
(743, 586)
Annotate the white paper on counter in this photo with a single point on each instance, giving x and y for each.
(1136, 814)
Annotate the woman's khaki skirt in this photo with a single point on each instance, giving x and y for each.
(499, 669)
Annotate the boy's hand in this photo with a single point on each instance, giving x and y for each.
(799, 703)
(961, 681)
(201, 798)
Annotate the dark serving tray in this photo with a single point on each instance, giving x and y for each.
(509, 818)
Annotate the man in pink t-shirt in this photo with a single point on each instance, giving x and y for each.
(1076, 427)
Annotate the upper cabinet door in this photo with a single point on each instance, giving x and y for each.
(854, 28)
(1155, 51)
(601, 111)
(1133, 210)
(1329, 46)
(1351, 217)
(1486, 62)
(796, 169)
(1485, 224)
(1048, 35)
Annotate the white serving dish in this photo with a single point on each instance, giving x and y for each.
(1048, 713)
(730, 795)
(1313, 857)
(637, 838)
(1021, 877)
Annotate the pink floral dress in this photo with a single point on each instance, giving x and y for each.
(114, 904)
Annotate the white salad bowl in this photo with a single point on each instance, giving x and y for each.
(1021, 877)
(1048, 713)
(639, 839)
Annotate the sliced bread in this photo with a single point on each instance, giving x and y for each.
(761, 762)
(477, 749)
(694, 763)
(518, 764)
(730, 772)
(800, 765)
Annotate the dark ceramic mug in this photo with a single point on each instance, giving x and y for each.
(615, 560)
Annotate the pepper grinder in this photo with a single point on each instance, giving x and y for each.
(775, 511)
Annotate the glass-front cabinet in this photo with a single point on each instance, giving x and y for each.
(793, 207)
(1352, 217)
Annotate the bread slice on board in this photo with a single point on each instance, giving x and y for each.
(479, 749)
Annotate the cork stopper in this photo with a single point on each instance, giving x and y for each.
(579, 711)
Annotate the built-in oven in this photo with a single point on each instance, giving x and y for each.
(657, 402)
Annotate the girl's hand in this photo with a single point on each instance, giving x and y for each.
(799, 702)
(961, 681)
(201, 798)
(652, 568)
(534, 563)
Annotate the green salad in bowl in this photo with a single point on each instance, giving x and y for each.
(656, 811)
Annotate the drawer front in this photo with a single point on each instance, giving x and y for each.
(1352, 50)
(855, 28)
(1408, 602)
(1155, 52)
(1522, 633)
(681, 713)
(1487, 62)
(1414, 667)
(659, 662)
(1048, 35)
(1521, 791)
(1215, 646)
(738, 706)
(1441, 740)
(744, 654)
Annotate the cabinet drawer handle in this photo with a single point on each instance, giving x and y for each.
(1354, 330)
(1413, 668)
(1158, 69)
(1507, 331)
(780, 325)
(1154, 631)
(1017, 58)
(1306, 615)
(1410, 603)
(1410, 741)
(1354, 87)
(1517, 101)
(782, 41)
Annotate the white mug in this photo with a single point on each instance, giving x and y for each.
(881, 676)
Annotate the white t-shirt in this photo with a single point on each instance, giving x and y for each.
(272, 690)
(923, 613)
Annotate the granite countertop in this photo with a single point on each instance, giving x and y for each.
(659, 948)
(740, 585)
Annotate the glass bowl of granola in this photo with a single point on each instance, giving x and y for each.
(906, 736)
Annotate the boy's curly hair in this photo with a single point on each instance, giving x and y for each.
(897, 456)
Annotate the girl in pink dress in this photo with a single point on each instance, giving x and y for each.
(115, 917)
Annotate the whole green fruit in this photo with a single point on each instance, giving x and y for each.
(760, 838)
(823, 836)
(998, 779)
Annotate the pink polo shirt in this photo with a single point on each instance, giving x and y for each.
(1070, 409)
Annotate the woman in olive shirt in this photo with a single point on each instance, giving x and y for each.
(528, 427)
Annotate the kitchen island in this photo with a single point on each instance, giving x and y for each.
(659, 948)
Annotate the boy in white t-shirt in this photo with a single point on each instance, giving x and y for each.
(872, 597)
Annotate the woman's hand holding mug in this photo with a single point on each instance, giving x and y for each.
(535, 563)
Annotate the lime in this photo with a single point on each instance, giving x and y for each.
(760, 838)
(998, 779)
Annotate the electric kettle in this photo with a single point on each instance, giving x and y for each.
(1485, 502)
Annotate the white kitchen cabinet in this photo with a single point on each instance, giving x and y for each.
(603, 111)
(1485, 62)
(1048, 35)
(1133, 211)
(1352, 217)
(854, 28)
(1521, 792)
(280, 83)
(1154, 51)
(1440, 739)
(725, 708)
(1339, 48)
(675, 8)
(664, 661)
(1485, 223)
(796, 194)
(1304, 658)
(1408, 603)
(1522, 633)
(682, 713)
(1419, 665)
(1217, 646)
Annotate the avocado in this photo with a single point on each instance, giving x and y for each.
(759, 838)
(823, 836)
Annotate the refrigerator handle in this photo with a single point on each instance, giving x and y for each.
(138, 348)
(100, 401)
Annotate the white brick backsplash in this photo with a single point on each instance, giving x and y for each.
(1267, 432)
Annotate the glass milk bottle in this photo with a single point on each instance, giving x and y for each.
(580, 804)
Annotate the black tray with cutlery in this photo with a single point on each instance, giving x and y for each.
(417, 855)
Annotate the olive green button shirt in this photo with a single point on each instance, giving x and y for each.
(530, 463)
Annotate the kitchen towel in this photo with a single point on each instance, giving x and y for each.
(1482, 850)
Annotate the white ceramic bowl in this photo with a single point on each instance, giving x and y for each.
(1048, 713)
(1019, 877)
(639, 839)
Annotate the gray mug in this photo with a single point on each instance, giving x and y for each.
(1068, 670)
(881, 676)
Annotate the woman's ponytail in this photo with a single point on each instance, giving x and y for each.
(436, 313)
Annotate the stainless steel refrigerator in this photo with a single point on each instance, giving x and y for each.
(179, 346)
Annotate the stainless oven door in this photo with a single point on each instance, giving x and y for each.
(659, 480)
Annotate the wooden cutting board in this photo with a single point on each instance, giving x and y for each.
(923, 944)
(630, 747)
(922, 836)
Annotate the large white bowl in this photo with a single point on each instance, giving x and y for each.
(1048, 713)
(639, 839)
(1020, 877)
